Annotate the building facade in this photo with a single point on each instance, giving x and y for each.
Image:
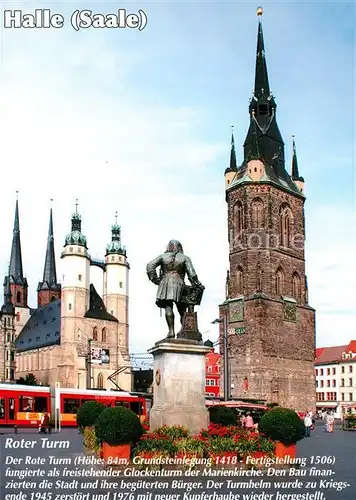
(74, 336)
(335, 373)
(270, 324)
(212, 372)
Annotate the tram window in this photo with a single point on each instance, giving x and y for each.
(2, 409)
(26, 403)
(11, 409)
(40, 405)
(136, 408)
(71, 405)
(122, 403)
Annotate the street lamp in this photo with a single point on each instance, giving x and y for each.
(223, 320)
(88, 364)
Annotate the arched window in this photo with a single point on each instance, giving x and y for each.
(286, 221)
(95, 333)
(100, 381)
(238, 221)
(53, 298)
(279, 281)
(103, 335)
(257, 213)
(239, 281)
(296, 286)
(18, 297)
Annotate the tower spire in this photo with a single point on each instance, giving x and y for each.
(233, 165)
(115, 246)
(76, 237)
(16, 271)
(263, 138)
(261, 75)
(295, 169)
(48, 289)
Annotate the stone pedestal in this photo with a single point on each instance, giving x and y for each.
(179, 385)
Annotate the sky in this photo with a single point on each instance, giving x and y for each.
(139, 122)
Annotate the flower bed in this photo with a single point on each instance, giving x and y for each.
(223, 445)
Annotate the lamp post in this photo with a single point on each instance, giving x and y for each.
(223, 320)
(89, 364)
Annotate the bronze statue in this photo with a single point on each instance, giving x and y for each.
(174, 266)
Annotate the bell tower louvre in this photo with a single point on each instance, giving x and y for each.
(271, 327)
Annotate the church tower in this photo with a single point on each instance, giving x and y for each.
(271, 327)
(18, 283)
(74, 298)
(48, 289)
(116, 284)
(7, 337)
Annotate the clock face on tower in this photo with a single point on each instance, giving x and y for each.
(236, 310)
(290, 311)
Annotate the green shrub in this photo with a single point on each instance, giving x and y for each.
(173, 431)
(88, 413)
(117, 426)
(282, 424)
(91, 442)
(222, 415)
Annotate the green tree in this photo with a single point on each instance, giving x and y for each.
(30, 379)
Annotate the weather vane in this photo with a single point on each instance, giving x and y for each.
(116, 217)
(76, 205)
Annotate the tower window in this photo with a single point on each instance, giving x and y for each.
(263, 109)
(79, 277)
(286, 219)
(53, 298)
(296, 286)
(103, 335)
(71, 249)
(121, 284)
(18, 297)
(279, 282)
(95, 333)
(239, 281)
(255, 169)
(257, 213)
(237, 222)
(112, 258)
(69, 307)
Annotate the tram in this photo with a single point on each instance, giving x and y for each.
(24, 404)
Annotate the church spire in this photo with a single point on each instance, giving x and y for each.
(115, 246)
(75, 237)
(264, 140)
(261, 75)
(15, 279)
(16, 271)
(48, 289)
(233, 166)
(295, 169)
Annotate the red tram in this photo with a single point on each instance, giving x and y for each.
(24, 404)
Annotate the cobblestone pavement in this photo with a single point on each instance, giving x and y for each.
(341, 445)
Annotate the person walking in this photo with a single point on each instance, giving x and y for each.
(249, 423)
(308, 424)
(330, 422)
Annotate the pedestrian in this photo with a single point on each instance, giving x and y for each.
(308, 424)
(44, 423)
(330, 422)
(249, 423)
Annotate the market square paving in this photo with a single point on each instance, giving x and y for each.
(54, 478)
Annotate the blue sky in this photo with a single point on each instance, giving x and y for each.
(139, 122)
